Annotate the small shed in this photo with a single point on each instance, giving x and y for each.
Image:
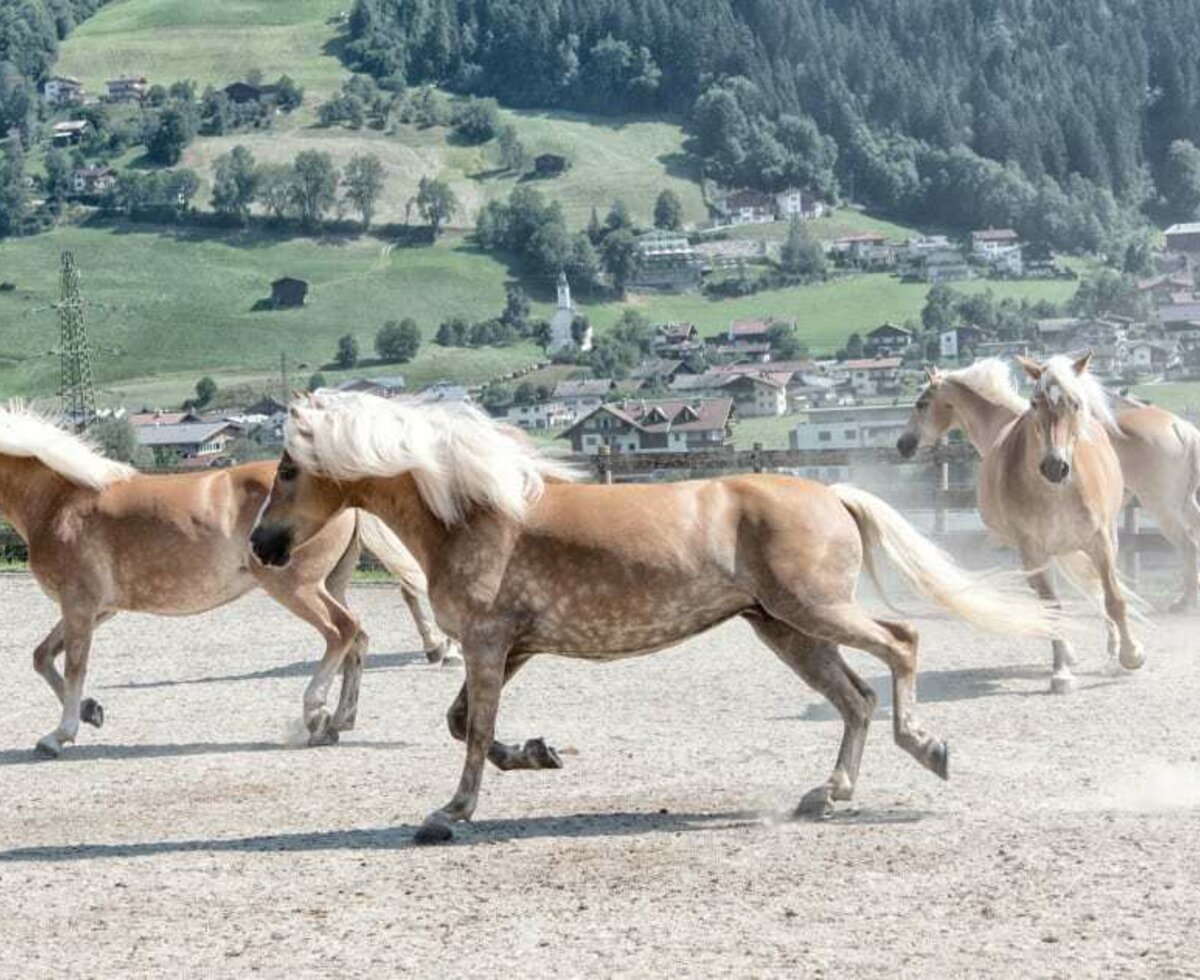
(288, 292)
(550, 164)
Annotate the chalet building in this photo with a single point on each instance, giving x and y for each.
(192, 444)
(391, 387)
(986, 245)
(1181, 307)
(666, 425)
(668, 261)
(93, 181)
(748, 207)
(676, 339)
(1162, 287)
(72, 132)
(867, 377)
(550, 164)
(1151, 356)
(867, 251)
(1183, 239)
(540, 415)
(956, 341)
(287, 293)
(585, 396)
(446, 391)
(763, 394)
(62, 90)
(244, 93)
(128, 88)
(795, 203)
(751, 331)
(657, 371)
(887, 340)
(266, 407)
(850, 427)
(140, 419)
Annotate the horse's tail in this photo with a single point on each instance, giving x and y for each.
(998, 602)
(382, 542)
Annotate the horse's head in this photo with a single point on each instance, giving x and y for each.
(1060, 409)
(300, 504)
(932, 416)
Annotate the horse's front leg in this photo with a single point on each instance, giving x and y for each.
(1062, 681)
(485, 657)
(76, 643)
(1104, 557)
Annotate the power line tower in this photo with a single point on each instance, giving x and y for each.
(77, 395)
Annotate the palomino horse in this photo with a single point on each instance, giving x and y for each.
(1049, 484)
(521, 561)
(103, 538)
(1159, 452)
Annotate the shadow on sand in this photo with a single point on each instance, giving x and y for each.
(299, 668)
(90, 753)
(962, 685)
(401, 836)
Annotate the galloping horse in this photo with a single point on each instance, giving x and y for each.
(1049, 484)
(1159, 452)
(521, 561)
(103, 538)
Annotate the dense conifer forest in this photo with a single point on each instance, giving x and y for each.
(1057, 116)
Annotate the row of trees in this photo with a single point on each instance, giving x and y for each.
(396, 342)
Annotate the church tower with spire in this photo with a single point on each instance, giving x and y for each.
(562, 333)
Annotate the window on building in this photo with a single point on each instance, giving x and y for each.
(851, 433)
(824, 437)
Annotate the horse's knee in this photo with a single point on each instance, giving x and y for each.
(456, 720)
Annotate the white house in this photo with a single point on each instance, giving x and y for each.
(795, 203)
(587, 395)
(869, 376)
(61, 90)
(93, 180)
(540, 415)
(850, 427)
(988, 243)
(563, 320)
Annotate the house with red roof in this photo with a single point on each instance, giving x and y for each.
(654, 425)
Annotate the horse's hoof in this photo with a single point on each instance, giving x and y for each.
(48, 747)
(326, 736)
(939, 759)
(542, 755)
(439, 652)
(816, 804)
(453, 657)
(1133, 658)
(91, 712)
(344, 724)
(1062, 684)
(435, 830)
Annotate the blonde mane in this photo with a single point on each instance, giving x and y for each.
(992, 379)
(1059, 371)
(460, 458)
(27, 434)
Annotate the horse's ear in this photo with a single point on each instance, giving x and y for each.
(301, 425)
(1082, 364)
(1030, 367)
(933, 375)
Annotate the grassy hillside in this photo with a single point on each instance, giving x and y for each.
(211, 41)
(168, 305)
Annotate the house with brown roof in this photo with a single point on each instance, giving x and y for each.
(746, 207)
(887, 340)
(869, 376)
(660, 425)
(674, 339)
(93, 180)
(70, 132)
(1184, 238)
(61, 90)
(990, 242)
(128, 88)
(585, 395)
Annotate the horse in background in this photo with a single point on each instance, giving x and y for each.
(1050, 483)
(522, 561)
(104, 538)
(1159, 452)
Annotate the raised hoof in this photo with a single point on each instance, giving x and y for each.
(91, 712)
(541, 755)
(435, 830)
(1063, 684)
(817, 804)
(48, 747)
(939, 760)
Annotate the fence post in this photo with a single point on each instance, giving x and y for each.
(1130, 556)
(604, 463)
(940, 523)
(756, 460)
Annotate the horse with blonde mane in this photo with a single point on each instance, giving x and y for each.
(1050, 483)
(521, 560)
(103, 538)
(1159, 452)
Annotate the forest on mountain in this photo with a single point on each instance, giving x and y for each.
(29, 34)
(1056, 116)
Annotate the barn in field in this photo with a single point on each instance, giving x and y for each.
(287, 293)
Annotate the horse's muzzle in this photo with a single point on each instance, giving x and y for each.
(272, 545)
(906, 445)
(1055, 469)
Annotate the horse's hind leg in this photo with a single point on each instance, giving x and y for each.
(893, 643)
(438, 647)
(534, 754)
(1104, 557)
(43, 659)
(820, 665)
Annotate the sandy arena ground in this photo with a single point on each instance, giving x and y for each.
(187, 838)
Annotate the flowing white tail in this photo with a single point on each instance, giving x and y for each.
(998, 603)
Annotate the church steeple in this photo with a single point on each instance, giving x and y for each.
(564, 291)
